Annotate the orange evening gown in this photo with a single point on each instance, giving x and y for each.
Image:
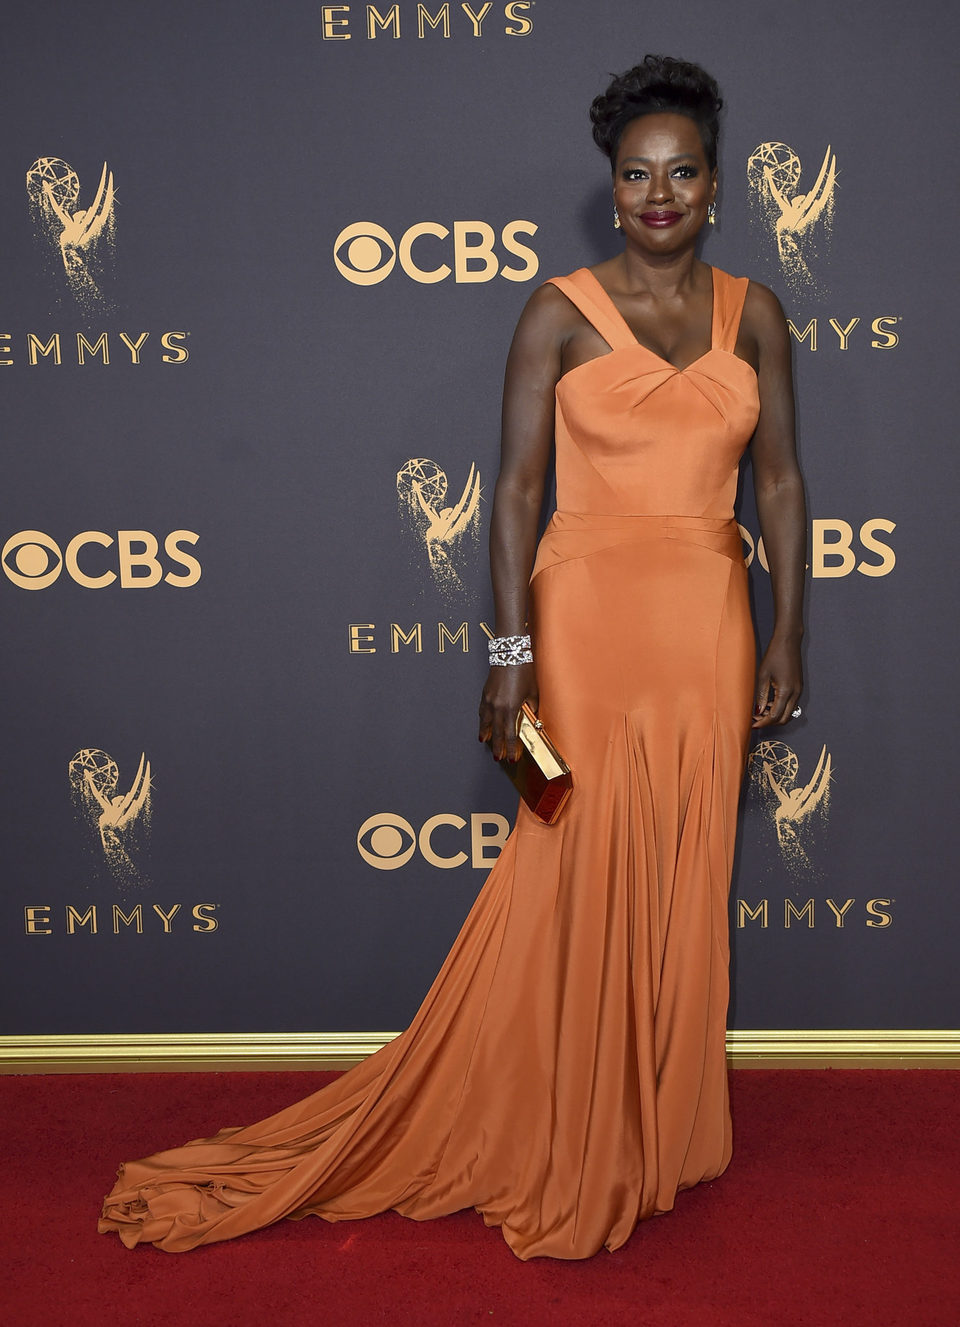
(565, 1074)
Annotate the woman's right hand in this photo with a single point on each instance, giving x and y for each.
(505, 691)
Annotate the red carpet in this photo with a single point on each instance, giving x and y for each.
(842, 1206)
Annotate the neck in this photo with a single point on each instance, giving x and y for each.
(660, 276)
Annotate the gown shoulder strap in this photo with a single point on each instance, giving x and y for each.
(584, 291)
(729, 293)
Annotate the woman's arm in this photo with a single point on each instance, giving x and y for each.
(778, 487)
(533, 369)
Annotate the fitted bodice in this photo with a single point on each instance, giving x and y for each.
(637, 436)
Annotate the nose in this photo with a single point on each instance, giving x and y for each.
(661, 188)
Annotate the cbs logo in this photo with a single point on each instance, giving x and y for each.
(834, 548)
(365, 254)
(387, 841)
(32, 560)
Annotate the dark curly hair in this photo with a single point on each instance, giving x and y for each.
(659, 84)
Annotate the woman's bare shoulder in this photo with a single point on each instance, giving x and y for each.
(548, 310)
(763, 314)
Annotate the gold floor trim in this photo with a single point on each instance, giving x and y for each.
(866, 1049)
(160, 1051)
(221, 1051)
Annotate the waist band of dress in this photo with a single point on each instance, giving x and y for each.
(575, 534)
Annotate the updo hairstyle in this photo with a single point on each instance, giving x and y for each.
(659, 85)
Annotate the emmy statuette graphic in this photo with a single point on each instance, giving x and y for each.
(116, 816)
(421, 493)
(79, 234)
(774, 770)
(796, 219)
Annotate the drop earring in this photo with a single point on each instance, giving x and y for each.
(616, 219)
(711, 214)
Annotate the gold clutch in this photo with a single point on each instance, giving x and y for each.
(541, 775)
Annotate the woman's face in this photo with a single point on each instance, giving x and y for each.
(662, 183)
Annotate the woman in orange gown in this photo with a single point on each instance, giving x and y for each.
(566, 1073)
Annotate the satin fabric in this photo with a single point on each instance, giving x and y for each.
(565, 1074)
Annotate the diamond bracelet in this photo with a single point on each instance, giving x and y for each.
(507, 650)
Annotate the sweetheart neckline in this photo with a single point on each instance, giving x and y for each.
(671, 368)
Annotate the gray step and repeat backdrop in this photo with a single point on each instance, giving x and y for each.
(261, 266)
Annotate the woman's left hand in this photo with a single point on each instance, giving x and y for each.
(779, 684)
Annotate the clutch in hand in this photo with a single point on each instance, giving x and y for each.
(541, 775)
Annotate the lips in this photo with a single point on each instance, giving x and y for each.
(659, 220)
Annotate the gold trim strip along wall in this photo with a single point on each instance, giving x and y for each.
(219, 1051)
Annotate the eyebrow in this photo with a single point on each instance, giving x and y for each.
(683, 156)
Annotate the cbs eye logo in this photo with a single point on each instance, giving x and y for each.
(386, 841)
(31, 560)
(365, 254)
(390, 841)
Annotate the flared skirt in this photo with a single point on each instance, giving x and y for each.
(566, 1073)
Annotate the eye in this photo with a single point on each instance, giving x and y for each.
(635, 173)
(31, 560)
(386, 841)
(364, 253)
(686, 172)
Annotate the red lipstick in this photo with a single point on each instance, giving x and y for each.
(660, 219)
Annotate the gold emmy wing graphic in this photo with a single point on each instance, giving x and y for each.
(774, 770)
(421, 493)
(78, 234)
(797, 219)
(116, 816)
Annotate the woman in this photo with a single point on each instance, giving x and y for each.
(566, 1073)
